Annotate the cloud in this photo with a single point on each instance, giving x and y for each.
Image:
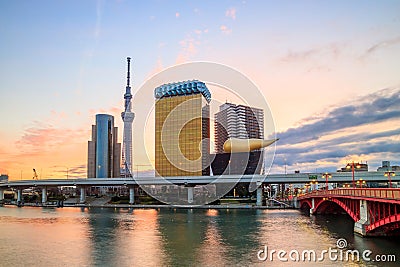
(376, 107)
(99, 13)
(333, 50)
(381, 45)
(225, 30)
(231, 13)
(157, 68)
(367, 127)
(177, 15)
(199, 32)
(61, 171)
(188, 48)
(45, 137)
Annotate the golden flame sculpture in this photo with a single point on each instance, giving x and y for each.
(234, 145)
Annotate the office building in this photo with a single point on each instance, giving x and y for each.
(182, 130)
(104, 151)
(387, 167)
(3, 178)
(237, 121)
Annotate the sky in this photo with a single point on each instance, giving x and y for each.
(329, 70)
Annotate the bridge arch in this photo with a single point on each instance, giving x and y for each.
(351, 210)
(305, 204)
(385, 225)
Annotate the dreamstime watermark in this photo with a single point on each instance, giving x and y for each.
(340, 253)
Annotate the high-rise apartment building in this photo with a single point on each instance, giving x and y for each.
(237, 121)
(104, 150)
(182, 129)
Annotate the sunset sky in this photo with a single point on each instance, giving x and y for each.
(330, 71)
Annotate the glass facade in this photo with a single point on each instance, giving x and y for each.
(182, 131)
(104, 150)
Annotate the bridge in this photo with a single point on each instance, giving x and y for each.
(190, 182)
(375, 211)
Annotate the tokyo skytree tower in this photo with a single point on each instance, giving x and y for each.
(127, 118)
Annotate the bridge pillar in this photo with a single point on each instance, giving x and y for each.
(361, 225)
(44, 195)
(296, 203)
(190, 194)
(1, 194)
(83, 195)
(131, 195)
(312, 209)
(259, 196)
(19, 196)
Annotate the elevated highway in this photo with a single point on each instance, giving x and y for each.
(190, 182)
(297, 178)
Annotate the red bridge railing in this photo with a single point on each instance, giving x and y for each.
(384, 193)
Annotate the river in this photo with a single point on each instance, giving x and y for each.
(33, 236)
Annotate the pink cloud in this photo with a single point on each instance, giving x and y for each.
(225, 30)
(42, 137)
(231, 13)
(200, 32)
(188, 49)
(177, 14)
(158, 67)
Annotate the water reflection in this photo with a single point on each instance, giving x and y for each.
(182, 232)
(42, 237)
(171, 237)
(139, 240)
(212, 251)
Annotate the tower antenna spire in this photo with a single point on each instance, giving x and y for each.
(129, 72)
(127, 117)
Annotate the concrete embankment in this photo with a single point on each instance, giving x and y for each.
(138, 206)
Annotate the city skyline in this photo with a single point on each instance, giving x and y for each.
(331, 79)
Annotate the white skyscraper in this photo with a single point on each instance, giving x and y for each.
(127, 118)
(237, 121)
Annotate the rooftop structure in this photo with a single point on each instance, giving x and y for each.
(182, 88)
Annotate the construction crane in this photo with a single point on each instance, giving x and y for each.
(35, 176)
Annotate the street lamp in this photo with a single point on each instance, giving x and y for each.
(285, 166)
(306, 187)
(67, 171)
(389, 175)
(326, 175)
(351, 165)
(361, 182)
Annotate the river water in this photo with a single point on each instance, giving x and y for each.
(33, 236)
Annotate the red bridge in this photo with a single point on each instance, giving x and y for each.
(375, 211)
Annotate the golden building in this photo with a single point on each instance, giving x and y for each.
(182, 131)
